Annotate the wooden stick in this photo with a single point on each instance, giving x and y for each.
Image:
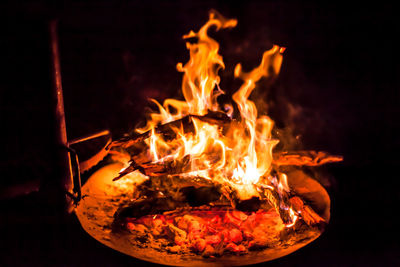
(166, 130)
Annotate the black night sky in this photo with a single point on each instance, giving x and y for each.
(338, 90)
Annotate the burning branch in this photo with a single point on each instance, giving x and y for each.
(304, 158)
(166, 130)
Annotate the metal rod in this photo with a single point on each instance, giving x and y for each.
(57, 85)
(63, 181)
(77, 178)
(89, 137)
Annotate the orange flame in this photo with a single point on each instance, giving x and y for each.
(240, 156)
(254, 163)
(219, 157)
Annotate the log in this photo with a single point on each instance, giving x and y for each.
(142, 162)
(309, 216)
(153, 169)
(152, 202)
(252, 204)
(167, 166)
(304, 158)
(167, 132)
(147, 206)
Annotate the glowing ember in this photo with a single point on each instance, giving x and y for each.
(210, 232)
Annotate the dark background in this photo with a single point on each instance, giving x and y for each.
(338, 90)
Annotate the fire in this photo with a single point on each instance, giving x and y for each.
(239, 155)
(220, 157)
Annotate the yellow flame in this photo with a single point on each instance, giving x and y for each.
(240, 155)
(293, 217)
(153, 144)
(256, 165)
(244, 153)
(201, 71)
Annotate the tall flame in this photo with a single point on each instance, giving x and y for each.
(254, 168)
(201, 71)
(244, 153)
(239, 155)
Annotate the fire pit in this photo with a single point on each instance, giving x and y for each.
(201, 182)
(104, 197)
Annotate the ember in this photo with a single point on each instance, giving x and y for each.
(209, 232)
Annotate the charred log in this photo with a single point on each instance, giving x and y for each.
(200, 196)
(155, 169)
(167, 130)
(147, 206)
(152, 203)
(304, 158)
(252, 204)
(309, 216)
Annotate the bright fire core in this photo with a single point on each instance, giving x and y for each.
(243, 155)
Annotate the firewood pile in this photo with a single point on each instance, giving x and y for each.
(175, 212)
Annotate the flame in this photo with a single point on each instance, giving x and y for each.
(254, 168)
(294, 218)
(240, 155)
(244, 154)
(219, 157)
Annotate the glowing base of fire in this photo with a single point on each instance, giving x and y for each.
(103, 197)
(207, 231)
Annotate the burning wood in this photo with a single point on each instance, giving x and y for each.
(167, 130)
(304, 158)
(213, 184)
(142, 161)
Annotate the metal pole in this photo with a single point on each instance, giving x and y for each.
(62, 183)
